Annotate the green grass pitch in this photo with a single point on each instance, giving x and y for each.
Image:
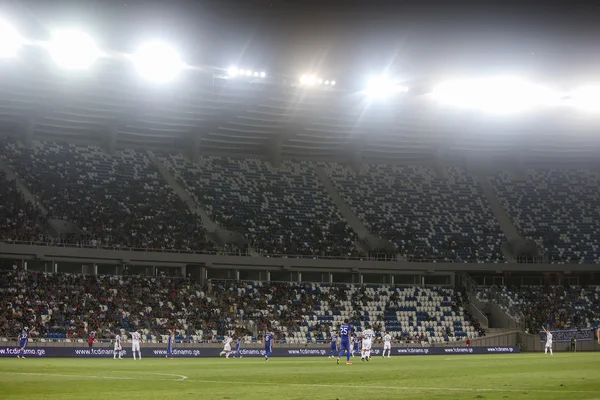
(563, 376)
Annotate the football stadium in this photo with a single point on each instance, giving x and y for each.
(299, 200)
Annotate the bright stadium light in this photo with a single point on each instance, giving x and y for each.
(249, 72)
(263, 74)
(158, 62)
(495, 95)
(232, 71)
(383, 87)
(71, 49)
(10, 40)
(332, 83)
(256, 74)
(586, 98)
(326, 82)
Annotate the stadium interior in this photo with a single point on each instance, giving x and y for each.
(250, 201)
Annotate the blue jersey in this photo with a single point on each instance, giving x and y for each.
(268, 340)
(334, 338)
(345, 332)
(170, 341)
(23, 338)
(238, 342)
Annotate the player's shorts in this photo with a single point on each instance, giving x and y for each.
(22, 344)
(118, 347)
(548, 344)
(135, 346)
(227, 347)
(366, 345)
(344, 345)
(387, 346)
(355, 348)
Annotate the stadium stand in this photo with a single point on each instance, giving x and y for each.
(558, 307)
(427, 217)
(281, 210)
(19, 221)
(68, 306)
(558, 209)
(117, 201)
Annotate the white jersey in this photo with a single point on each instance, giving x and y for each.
(227, 342)
(118, 342)
(368, 335)
(387, 342)
(136, 337)
(549, 339)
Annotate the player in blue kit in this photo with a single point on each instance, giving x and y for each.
(23, 337)
(345, 333)
(238, 344)
(170, 342)
(333, 349)
(268, 340)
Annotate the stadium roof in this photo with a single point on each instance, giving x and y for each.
(251, 117)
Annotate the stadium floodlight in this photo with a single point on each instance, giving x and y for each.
(10, 40)
(320, 81)
(308, 80)
(157, 61)
(332, 83)
(232, 71)
(383, 87)
(256, 74)
(263, 74)
(249, 72)
(326, 82)
(72, 49)
(495, 95)
(586, 98)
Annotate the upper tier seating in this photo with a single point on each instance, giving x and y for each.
(119, 201)
(281, 210)
(558, 209)
(19, 220)
(426, 216)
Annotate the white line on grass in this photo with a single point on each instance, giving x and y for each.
(129, 378)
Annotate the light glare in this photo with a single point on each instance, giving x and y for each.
(158, 62)
(73, 50)
(232, 71)
(10, 41)
(586, 98)
(495, 95)
(263, 74)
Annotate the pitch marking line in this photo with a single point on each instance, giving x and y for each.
(127, 378)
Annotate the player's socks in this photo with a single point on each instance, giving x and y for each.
(545, 350)
(551, 352)
(338, 360)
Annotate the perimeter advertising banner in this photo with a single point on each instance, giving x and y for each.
(563, 336)
(34, 352)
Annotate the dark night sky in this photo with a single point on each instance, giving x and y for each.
(416, 39)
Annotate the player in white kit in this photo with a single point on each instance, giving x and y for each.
(118, 348)
(367, 342)
(548, 341)
(226, 347)
(387, 344)
(136, 338)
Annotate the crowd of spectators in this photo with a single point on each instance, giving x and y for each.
(19, 220)
(116, 201)
(427, 216)
(556, 307)
(281, 210)
(72, 305)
